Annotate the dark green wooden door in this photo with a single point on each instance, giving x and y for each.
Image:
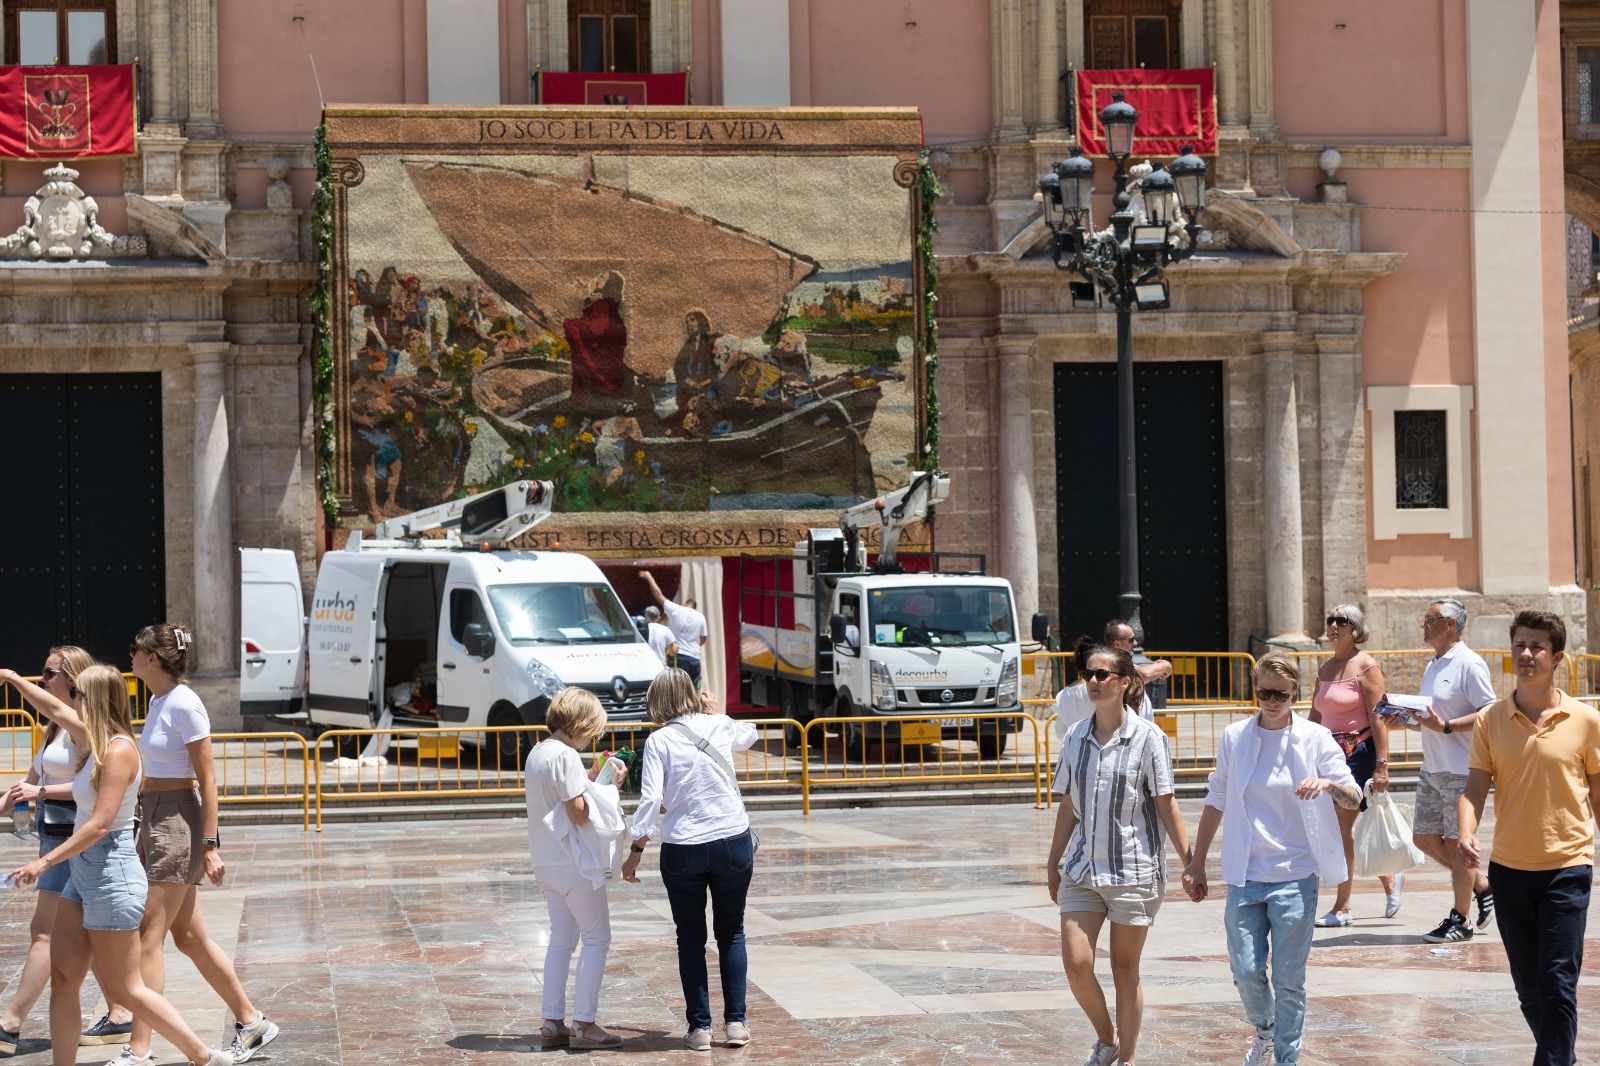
(81, 550)
(1183, 552)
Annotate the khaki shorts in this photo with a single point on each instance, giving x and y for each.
(1435, 812)
(1123, 904)
(170, 838)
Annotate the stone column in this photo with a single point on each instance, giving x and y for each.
(1280, 476)
(1072, 35)
(1007, 53)
(662, 38)
(1192, 36)
(1049, 106)
(1341, 467)
(161, 58)
(216, 607)
(1263, 117)
(1019, 539)
(1233, 65)
(203, 106)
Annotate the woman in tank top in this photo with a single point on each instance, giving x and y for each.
(48, 787)
(1349, 686)
(97, 920)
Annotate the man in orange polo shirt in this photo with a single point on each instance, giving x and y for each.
(1541, 750)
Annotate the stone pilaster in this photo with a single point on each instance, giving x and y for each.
(1342, 466)
(1048, 108)
(1010, 61)
(1233, 63)
(1280, 476)
(161, 60)
(1072, 34)
(216, 606)
(1192, 36)
(204, 109)
(1263, 117)
(1019, 538)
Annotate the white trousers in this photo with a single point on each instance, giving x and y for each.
(579, 913)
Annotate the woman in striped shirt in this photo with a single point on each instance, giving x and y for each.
(1106, 858)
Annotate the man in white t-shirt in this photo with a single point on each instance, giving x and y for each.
(659, 636)
(1457, 685)
(1119, 635)
(688, 627)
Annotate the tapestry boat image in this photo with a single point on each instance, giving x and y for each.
(672, 327)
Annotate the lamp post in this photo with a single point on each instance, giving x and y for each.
(1125, 262)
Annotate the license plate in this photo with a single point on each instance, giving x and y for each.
(919, 733)
(956, 723)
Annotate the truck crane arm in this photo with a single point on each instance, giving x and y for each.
(489, 518)
(892, 514)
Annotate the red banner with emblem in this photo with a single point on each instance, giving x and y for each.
(564, 87)
(66, 112)
(1176, 108)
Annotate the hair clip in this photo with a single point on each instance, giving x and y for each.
(181, 638)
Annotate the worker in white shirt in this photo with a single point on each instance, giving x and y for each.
(688, 628)
(659, 636)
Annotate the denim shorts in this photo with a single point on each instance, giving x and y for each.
(108, 881)
(55, 878)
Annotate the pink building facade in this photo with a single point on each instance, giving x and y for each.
(1359, 394)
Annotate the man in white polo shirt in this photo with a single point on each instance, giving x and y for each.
(688, 629)
(1457, 685)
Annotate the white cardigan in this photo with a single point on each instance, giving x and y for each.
(1313, 753)
(599, 846)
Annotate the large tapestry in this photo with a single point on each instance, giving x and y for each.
(703, 325)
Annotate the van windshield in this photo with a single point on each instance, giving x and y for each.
(561, 614)
(940, 616)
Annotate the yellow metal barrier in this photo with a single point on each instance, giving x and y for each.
(1584, 674)
(20, 736)
(255, 768)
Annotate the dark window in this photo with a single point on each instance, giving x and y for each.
(465, 608)
(1131, 33)
(609, 36)
(52, 32)
(1588, 67)
(1419, 461)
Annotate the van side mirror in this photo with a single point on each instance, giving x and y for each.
(478, 640)
(837, 631)
(1041, 627)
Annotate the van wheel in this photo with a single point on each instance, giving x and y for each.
(993, 745)
(856, 736)
(343, 747)
(510, 749)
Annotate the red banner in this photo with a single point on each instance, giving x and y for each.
(66, 112)
(1176, 108)
(559, 87)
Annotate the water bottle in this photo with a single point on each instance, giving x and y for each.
(22, 819)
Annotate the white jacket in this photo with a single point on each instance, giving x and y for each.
(1313, 753)
(598, 847)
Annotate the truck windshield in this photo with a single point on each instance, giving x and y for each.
(940, 616)
(561, 614)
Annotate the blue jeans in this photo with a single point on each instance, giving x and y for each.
(724, 867)
(1283, 913)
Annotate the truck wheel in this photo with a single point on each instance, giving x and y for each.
(992, 745)
(857, 737)
(789, 696)
(510, 749)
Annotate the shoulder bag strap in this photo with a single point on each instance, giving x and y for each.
(705, 746)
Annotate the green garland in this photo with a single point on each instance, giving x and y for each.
(928, 225)
(321, 305)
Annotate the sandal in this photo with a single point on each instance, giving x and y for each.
(588, 1035)
(1335, 920)
(553, 1034)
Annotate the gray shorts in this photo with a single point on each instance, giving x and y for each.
(1123, 904)
(108, 882)
(1435, 812)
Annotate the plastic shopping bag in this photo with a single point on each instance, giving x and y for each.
(1383, 838)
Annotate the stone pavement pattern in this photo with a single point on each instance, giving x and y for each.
(877, 936)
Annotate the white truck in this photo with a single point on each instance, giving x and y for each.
(488, 635)
(825, 635)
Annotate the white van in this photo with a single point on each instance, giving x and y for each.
(501, 631)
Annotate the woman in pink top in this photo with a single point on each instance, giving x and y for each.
(1349, 686)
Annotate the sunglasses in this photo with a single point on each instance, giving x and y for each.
(1100, 674)
(47, 673)
(1338, 620)
(134, 649)
(1273, 695)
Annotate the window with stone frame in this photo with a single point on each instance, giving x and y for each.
(1421, 471)
(1587, 72)
(609, 36)
(50, 33)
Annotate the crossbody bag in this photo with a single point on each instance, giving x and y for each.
(722, 763)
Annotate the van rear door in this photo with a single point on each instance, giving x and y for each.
(343, 637)
(272, 631)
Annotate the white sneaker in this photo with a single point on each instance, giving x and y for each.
(219, 1057)
(249, 1039)
(1391, 906)
(738, 1034)
(1102, 1055)
(128, 1058)
(1261, 1051)
(697, 1040)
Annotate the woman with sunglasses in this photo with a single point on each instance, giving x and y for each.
(97, 920)
(1277, 786)
(1106, 858)
(179, 840)
(48, 786)
(1349, 686)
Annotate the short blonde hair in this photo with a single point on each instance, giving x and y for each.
(1278, 666)
(577, 713)
(671, 695)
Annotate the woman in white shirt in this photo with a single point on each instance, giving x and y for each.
(579, 911)
(1273, 792)
(48, 787)
(706, 844)
(103, 901)
(179, 839)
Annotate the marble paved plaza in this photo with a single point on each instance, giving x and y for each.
(892, 935)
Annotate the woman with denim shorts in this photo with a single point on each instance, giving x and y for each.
(1279, 778)
(48, 787)
(103, 901)
(706, 844)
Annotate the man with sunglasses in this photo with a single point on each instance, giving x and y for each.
(1456, 683)
(1119, 635)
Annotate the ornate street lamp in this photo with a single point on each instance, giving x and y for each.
(1125, 262)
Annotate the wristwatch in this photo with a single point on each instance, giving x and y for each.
(212, 843)
(636, 849)
(1447, 726)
